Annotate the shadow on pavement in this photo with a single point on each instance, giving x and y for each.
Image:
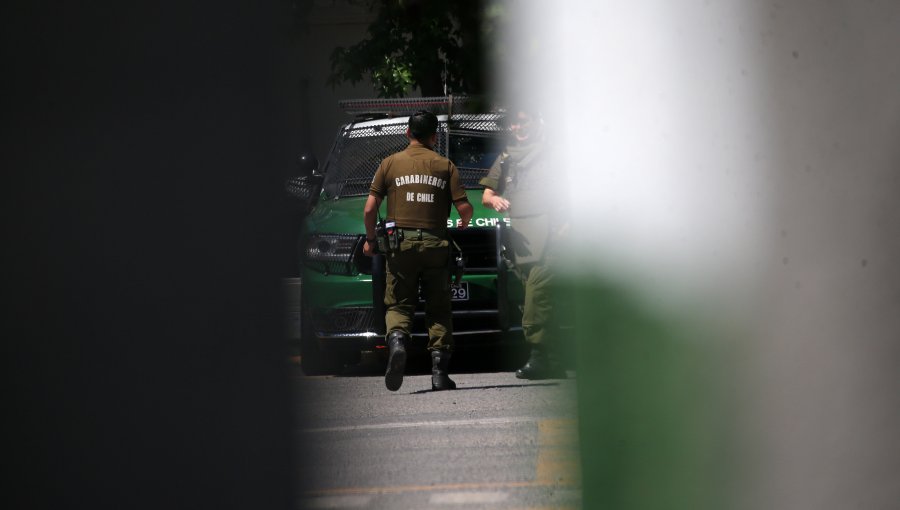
(468, 360)
(491, 387)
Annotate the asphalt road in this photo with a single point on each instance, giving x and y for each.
(496, 442)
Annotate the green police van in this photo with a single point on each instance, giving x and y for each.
(341, 309)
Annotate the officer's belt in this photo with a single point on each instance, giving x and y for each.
(419, 234)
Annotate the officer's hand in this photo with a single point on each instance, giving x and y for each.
(499, 203)
(368, 249)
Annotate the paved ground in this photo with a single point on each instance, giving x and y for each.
(495, 442)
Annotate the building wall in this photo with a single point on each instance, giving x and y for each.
(327, 25)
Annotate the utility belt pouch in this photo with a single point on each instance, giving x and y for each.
(388, 236)
(457, 262)
(459, 268)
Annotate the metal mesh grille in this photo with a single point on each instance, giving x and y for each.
(475, 142)
(300, 187)
(343, 320)
(480, 122)
(398, 106)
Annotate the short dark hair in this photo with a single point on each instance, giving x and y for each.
(422, 125)
(511, 115)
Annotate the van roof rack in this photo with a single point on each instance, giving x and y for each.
(397, 107)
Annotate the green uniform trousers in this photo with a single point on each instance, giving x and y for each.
(538, 322)
(422, 260)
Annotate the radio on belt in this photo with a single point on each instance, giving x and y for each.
(388, 236)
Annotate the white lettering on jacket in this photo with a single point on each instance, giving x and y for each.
(420, 179)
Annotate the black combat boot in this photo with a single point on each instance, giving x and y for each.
(540, 366)
(396, 366)
(440, 359)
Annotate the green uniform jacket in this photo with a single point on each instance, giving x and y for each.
(419, 185)
(521, 176)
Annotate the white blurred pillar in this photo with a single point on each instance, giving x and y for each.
(744, 159)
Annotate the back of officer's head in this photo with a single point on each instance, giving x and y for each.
(423, 125)
(518, 113)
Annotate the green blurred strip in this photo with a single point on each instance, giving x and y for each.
(654, 421)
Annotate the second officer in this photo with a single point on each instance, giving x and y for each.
(419, 186)
(518, 183)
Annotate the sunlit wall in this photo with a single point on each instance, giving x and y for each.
(733, 171)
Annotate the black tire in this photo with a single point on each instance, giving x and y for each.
(379, 284)
(316, 361)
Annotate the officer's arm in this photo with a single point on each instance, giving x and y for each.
(491, 199)
(464, 208)
(370, 216)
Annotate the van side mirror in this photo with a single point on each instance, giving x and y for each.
(307, 164)
(303, 183)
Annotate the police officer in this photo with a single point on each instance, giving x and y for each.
(419, 186)
(518, 183)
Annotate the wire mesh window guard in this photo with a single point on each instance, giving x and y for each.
(474, 142)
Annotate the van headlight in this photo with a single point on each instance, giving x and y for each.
(332, 253)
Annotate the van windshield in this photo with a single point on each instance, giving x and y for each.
(475, 143)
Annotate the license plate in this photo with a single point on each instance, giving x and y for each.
(458, 292)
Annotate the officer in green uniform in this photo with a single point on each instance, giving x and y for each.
(419, 186)
(518, 183)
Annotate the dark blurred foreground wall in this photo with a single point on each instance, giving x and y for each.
(322, 26)
(143, 147)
